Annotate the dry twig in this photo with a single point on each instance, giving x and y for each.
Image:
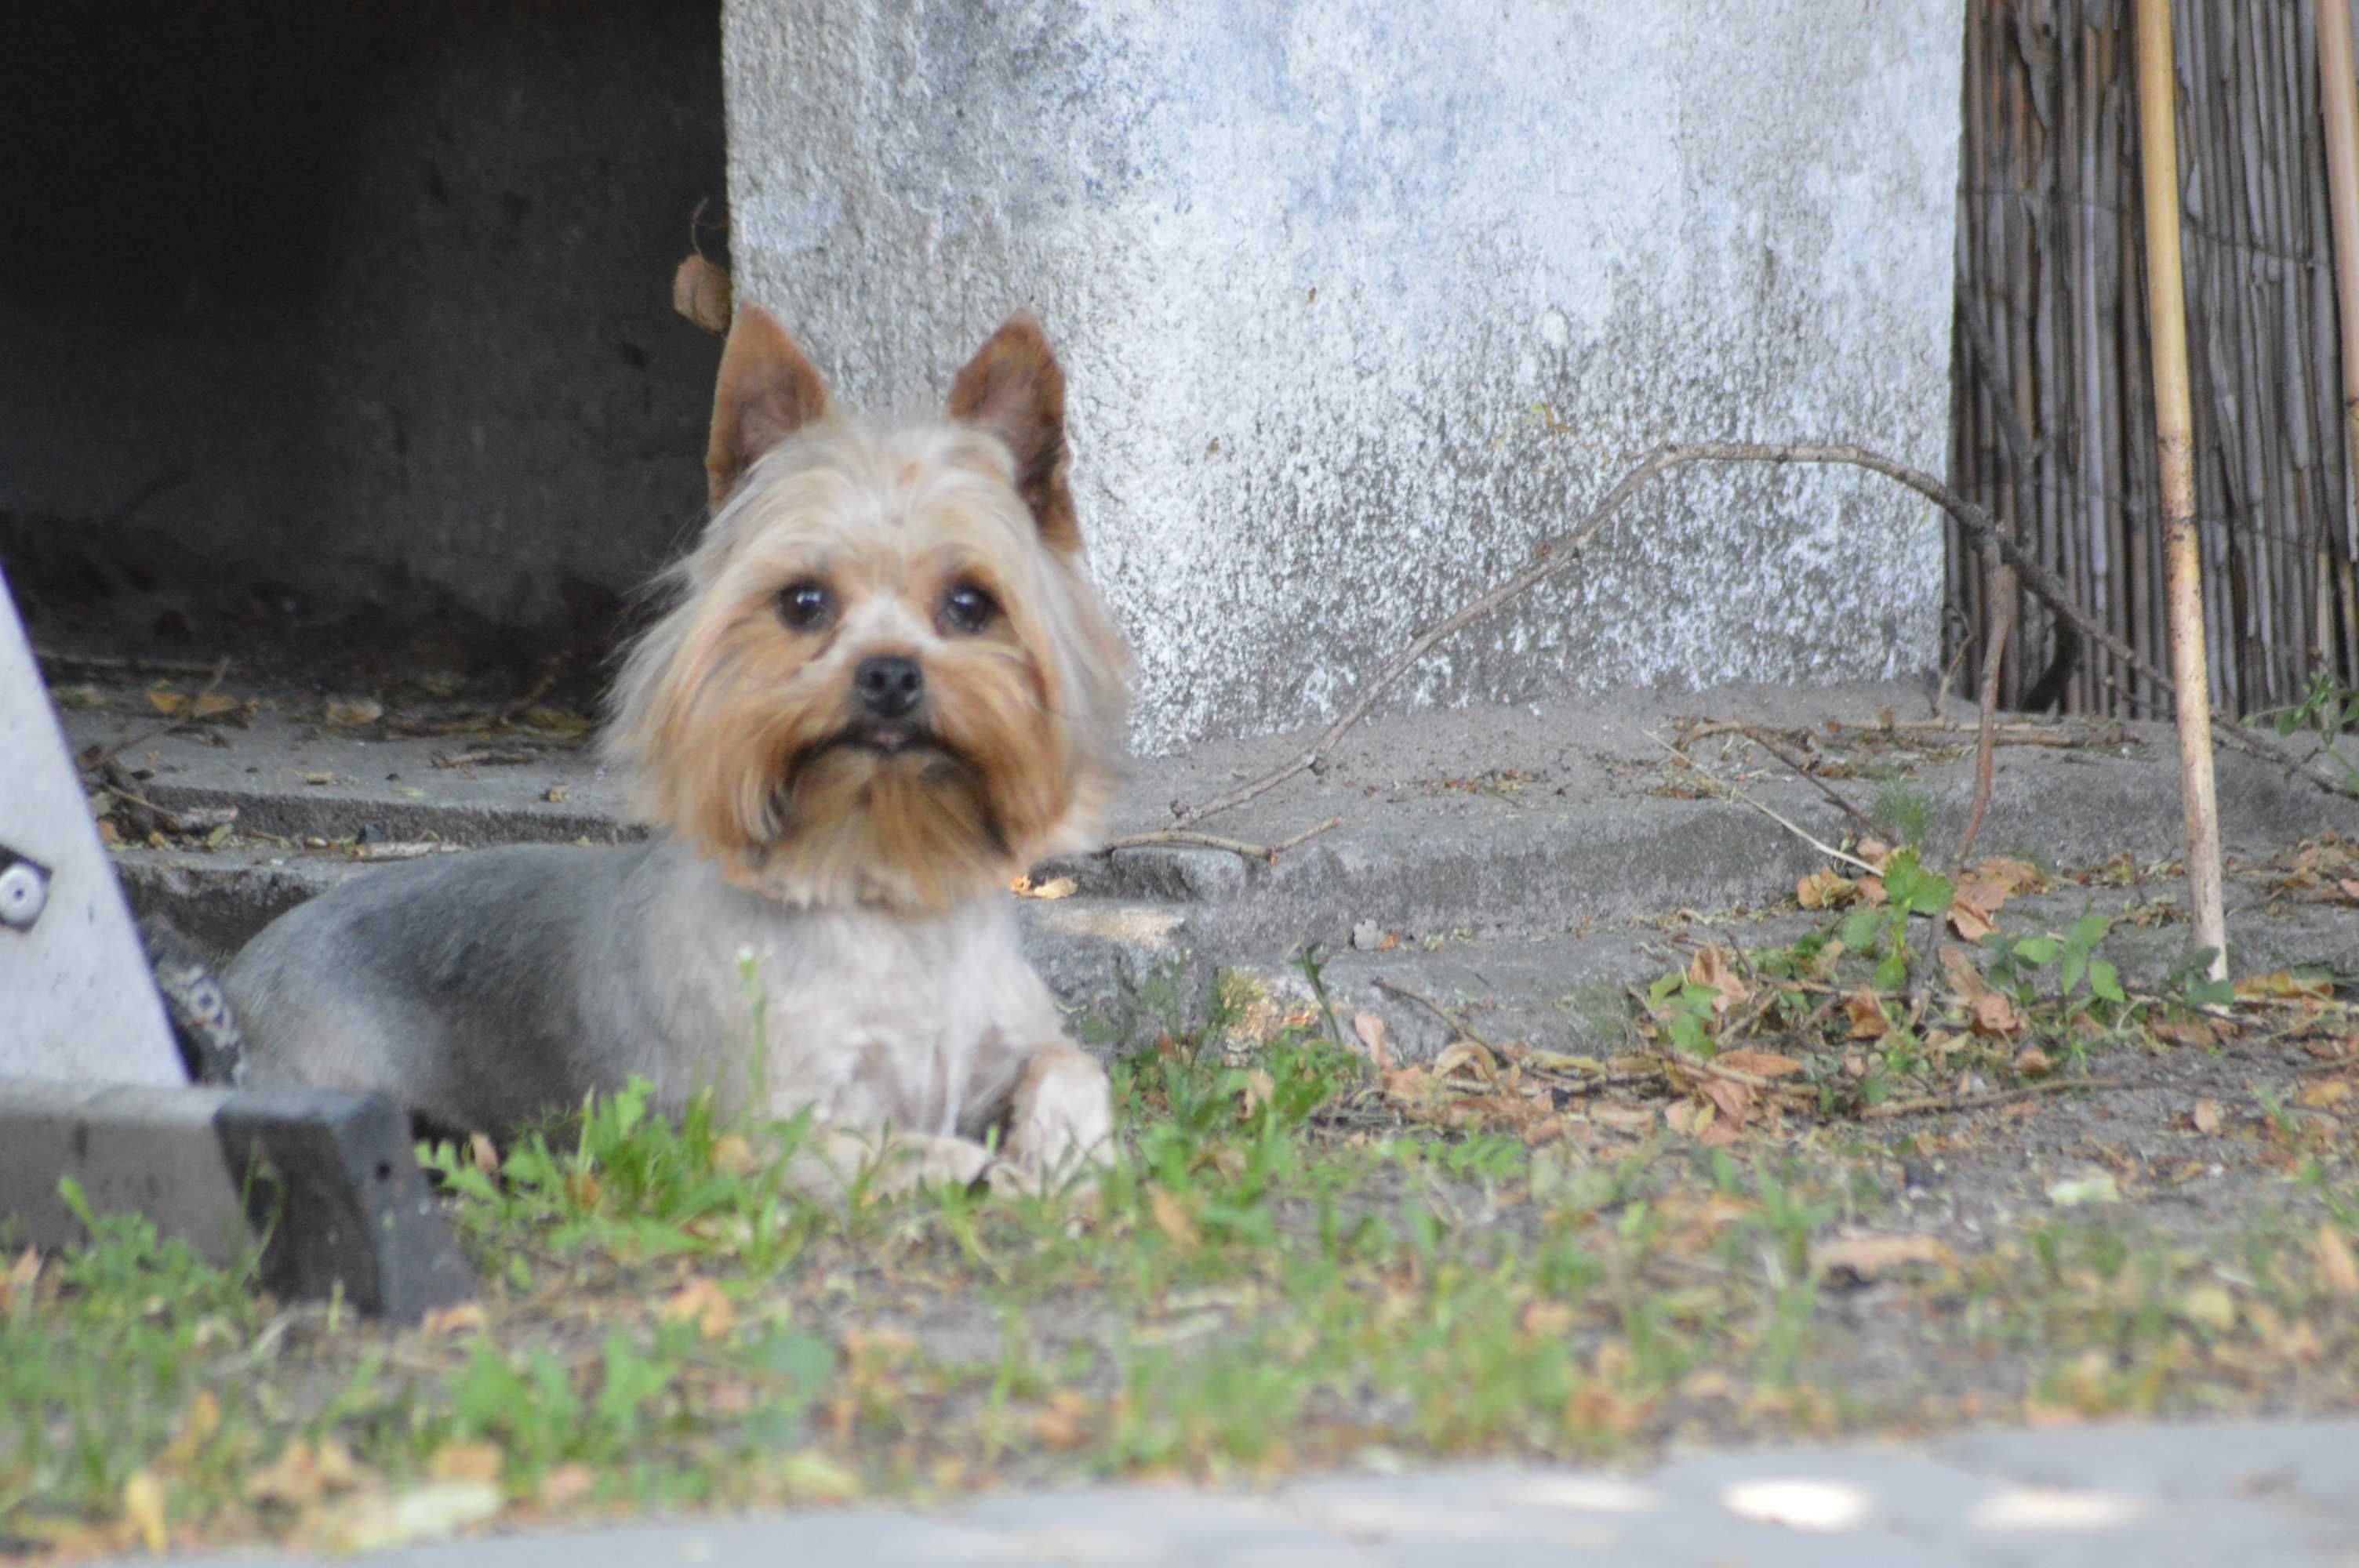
(219, 671)
(1759, 736)
(1562, 554)
(1714, 781)
(1181, 838)
(1954, 1103)
(1439, 1012)
(1993, 656)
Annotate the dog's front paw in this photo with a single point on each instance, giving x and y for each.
(1060, 1123)
(886, 1163)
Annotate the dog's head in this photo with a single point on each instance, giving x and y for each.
(886, 679)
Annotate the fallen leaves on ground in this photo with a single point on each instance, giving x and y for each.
(467, 1317)
(705, 1304)
(303, 1474)
(1054, 888)
(1825, 889)
(181, 705)
(1870, 1258)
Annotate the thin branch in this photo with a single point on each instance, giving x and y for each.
(1760, 736)
(189, 716)
(1737, 795)
(1986, 739)
(113, 664)
(1561, 555)
(1165, 837)
(1984, 1101)
(1456, 1023)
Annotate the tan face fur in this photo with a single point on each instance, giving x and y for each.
(833, 545)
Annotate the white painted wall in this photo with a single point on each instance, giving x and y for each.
(1324, 276)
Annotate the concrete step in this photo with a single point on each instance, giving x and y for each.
(1505, 849)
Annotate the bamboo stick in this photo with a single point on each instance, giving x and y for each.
(2339, 103)
(2174, 441)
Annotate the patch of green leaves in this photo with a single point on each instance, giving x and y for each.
(2017, 963)
(1881, 931)
(639, 1185)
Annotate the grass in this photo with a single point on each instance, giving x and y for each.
(1284, 1269)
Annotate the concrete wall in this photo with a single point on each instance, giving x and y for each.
(314, 311)
(1326, 276)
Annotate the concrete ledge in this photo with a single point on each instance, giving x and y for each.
(326, 1184)
(1514, 842)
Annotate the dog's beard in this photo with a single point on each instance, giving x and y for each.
(884, 814)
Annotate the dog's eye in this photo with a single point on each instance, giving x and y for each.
(968, 609)
(806, 606)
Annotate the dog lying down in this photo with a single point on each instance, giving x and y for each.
(885, 687)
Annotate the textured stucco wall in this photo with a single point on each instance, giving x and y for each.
(1315, 269)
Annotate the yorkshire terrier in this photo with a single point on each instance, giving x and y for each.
(885, 687)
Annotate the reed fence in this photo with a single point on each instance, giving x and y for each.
(2052, 421)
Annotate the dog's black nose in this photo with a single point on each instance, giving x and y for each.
(888, 685)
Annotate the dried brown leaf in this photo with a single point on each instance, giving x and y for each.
(197, 1428)
(1409, 1086)
(1171, 1216)
(17, 1284)
(1054, 888)
(1958, 964)
(1468, 1055)
(565, 1485)
(467, 1317)
(1368, 1028)
(1970, 919)
(2325, 1094)
(144, 1500)
(179, 705)
(2012, 876)
(1635, 1119)
(705, 1304)
(1866, 1015)
(303, 1474)
(1733, 1101)
(1714, 968)
(1549, 1320)
(2336, 1265)
(1823, 889)
(1872, 1257)
(467, 1461)
(1759, 1064)
(2284, 986)
(1993, 1015)
(1064, 1424)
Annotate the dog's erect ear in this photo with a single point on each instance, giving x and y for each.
(1012, 388)
(768, 391)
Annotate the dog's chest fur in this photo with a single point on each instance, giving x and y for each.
(490, 986)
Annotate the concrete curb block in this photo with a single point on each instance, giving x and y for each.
(326, 1184)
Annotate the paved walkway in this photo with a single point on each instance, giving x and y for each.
(2241, 1495)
